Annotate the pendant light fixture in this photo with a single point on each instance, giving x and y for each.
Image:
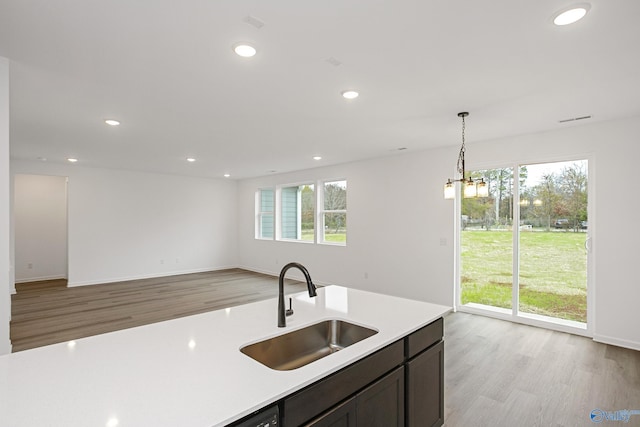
(470, 188)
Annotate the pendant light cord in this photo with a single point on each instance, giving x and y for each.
(462, 149)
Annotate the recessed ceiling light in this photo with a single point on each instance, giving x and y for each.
(244, 50)
(350, 94)
(72, 159)
(572, 14)
(191, 159)
(317, 158)
(112, 122)
(226, 175)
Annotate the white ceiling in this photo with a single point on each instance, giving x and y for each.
(167, 71)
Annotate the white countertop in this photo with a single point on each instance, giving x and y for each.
(189, 371)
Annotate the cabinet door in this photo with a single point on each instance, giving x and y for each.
(343, 415)
(425, 388)
(382, 403)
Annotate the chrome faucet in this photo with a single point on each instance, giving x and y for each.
(282, 322)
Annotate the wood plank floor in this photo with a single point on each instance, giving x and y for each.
(500, 373)
(497, 373)
(48, 312)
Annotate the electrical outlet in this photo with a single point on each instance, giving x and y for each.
(366, 275)
(177, 260)
(30, 266)
(161, 261)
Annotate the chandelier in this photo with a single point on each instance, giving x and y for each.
(470, 188)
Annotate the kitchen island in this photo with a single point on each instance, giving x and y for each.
(190, 371)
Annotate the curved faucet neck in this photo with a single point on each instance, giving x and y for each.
(310, 287)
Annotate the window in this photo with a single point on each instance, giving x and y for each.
(333, 216)
(265, 214)
(524, 249)
(309, 212)
(297, 212)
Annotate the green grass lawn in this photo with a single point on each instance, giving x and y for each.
(340, 236)
(553, 277)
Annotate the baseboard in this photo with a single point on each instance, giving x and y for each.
(633, 345)
(294, 275)
(257, 270)
(146, 276)
(39, 279)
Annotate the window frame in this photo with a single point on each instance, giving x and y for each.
(259, 214)
(280, 214)
(277, 214)
(321, 212)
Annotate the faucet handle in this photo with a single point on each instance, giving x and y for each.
(289, 311)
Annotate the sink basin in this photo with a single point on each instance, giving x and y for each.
(303, 346)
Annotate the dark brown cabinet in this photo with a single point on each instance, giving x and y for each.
(379, 405)
(344, 415)
(425, 382)
(399, 385)
(382, 403)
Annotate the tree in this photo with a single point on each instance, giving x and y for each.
(499, 182)
(307, 210)
(547, 194)
(335, 198)
(573, 186)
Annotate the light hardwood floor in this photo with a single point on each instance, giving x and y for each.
(48, 312)
(497, 373)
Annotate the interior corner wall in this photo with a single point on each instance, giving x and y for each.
(40, 227)
(613, 149)
(6, 282)
(401, 231)
(125, 225)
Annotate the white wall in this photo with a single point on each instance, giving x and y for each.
(40, 227)
(614, 150)
(127, 225)
(6, 275)
(398, 220)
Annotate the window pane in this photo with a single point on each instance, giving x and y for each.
(307, 212)
(553, 234)
(335, 227)
(290, 213)
(266, 226)
(266, 201)
(486, 242)
(335, 195)
(298, 212)
(265, 214)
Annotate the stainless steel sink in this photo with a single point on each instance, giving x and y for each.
(303, 346)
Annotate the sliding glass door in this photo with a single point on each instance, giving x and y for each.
(486, 228)
(535, 267)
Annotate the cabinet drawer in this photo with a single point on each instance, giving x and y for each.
(328, 392)
(424, 338)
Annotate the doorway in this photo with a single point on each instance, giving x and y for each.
(523, 251)
(40, 225)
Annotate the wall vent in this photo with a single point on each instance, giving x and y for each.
(573, 119)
